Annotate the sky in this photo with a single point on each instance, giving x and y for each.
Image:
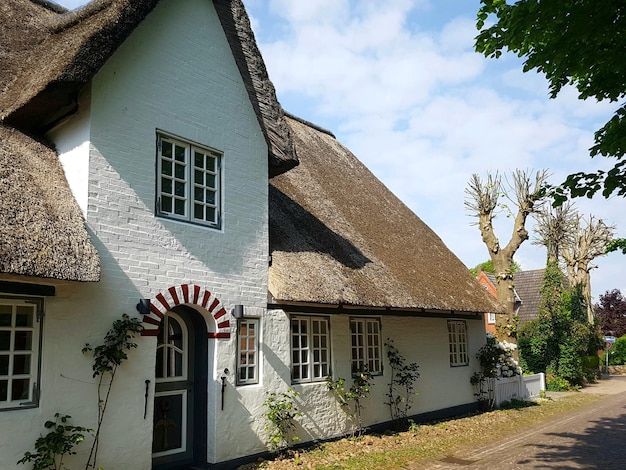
(399, 84)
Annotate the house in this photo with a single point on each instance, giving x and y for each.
(528, 287)
(527, 295)
(137, 140)
(488, 284)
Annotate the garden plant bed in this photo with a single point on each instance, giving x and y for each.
(427, 442)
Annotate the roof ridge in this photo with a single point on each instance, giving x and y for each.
(49, 5)
(310, 124)
(71, 18)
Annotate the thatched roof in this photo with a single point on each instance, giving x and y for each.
(338, 236)
(42, 230)
(67, 49)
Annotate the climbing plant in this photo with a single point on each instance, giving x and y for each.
(401, 387)
(280, 415)
(107, 358)
(351, 400)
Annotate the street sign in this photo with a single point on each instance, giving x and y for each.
(609, 339)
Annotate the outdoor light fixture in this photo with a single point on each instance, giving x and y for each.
(237, 311)
(143, 306)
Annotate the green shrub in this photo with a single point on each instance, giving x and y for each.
(617, 352)
(554, 383)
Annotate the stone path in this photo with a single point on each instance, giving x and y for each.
(592, 437)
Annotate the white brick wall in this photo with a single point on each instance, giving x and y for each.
(174, 73)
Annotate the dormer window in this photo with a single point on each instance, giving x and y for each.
(189, 181)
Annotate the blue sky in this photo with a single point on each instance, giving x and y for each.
(399, 84)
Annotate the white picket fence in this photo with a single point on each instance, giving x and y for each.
(520, 387)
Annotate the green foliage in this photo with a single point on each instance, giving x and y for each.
(401, 389)
(51, 448)
(107, 357)
(554, 383)
(617, 352)
(556, 341)
(616, 245)
(351, 400)
(487, 267)
(117, 341)
(572, 42)
(516, 404)
(496, 360)
(281, 413)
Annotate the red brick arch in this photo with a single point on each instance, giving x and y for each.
(181, 295)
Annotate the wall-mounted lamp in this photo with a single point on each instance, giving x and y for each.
(143, 306)
(237, 311)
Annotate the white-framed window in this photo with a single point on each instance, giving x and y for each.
(188, 181)
(457, 343)
(310, 348)
(366, 345)
(172, 348)
(20, 344)
(491, 318)
(247, 351)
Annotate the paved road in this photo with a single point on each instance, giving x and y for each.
(592, 437)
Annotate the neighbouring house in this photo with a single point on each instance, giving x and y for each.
(528, 287)
(147, 168)
(487, 281)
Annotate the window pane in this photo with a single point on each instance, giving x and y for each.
(180, 154)
(199, 178)
(4, 390)
(198, 211)
(5, 340)
(198, 160)
(19, 389)
(4, 365)
(210, 196)
(179, 188)
(166, 149)
(179, 205)
(168, 423)
(166, 204)
(210, 163)
(5, 319)
(166, 167)
(166, 185)
(21, 364)
(210, 214)
(210, 181)
(179, 171)
(198, 194)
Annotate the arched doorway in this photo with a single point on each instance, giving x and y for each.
(180, 400)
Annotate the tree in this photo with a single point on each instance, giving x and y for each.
(482, 201)
(611, 312)
(617, 244)
(560, 337)
(572, 42)
(487, 267)
(576, 241)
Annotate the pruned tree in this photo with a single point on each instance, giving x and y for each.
(527, 194)
(588, 241)
(554, 228)
(575, 241)
(611, 311)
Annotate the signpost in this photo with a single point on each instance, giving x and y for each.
(608, 340)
